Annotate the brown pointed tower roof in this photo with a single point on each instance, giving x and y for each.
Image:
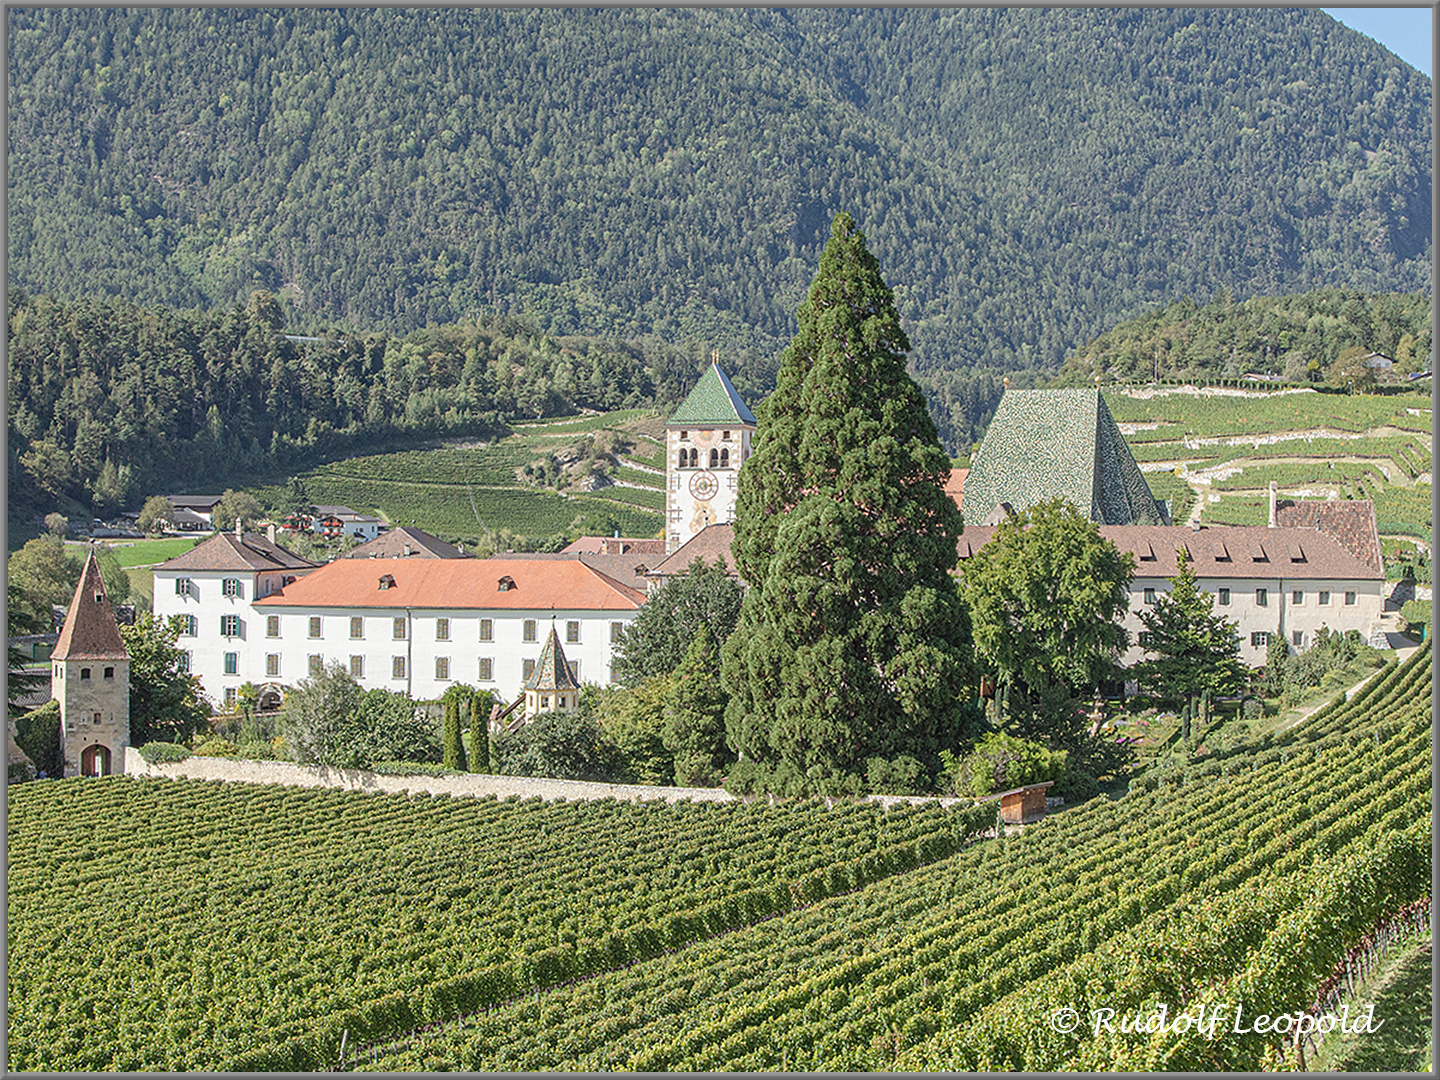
(552, 671)
(90, 631)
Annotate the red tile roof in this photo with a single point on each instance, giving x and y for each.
(475, 584)
(955, 485)
(90, 631)
(614, 545)
(1236, 551)
(1350, 521)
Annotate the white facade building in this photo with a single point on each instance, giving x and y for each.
(1267, 580)
(210, 589)
(418, 626)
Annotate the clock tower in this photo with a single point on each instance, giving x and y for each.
(706, 442)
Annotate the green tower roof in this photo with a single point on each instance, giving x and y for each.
(714, 401)
(1058, 444)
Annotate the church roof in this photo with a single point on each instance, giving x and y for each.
(1058, 444)
(552, 671)
(713, 401)
(90, 631)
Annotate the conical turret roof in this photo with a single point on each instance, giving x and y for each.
(552, 671)
(713, 402)
(90, 631)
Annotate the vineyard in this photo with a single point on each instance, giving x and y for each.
(194, 925)
(442, 490)
(169, 924)
(1227, 450)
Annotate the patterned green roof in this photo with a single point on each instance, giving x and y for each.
(713, 401)
(552, 671)
(1058, 444)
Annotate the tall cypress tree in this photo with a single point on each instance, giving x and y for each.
(480, 733)
(852, 642)
(452, 750)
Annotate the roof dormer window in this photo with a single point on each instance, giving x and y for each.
(387, 581)
(506, 583)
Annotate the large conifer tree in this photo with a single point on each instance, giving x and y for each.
(852, 642)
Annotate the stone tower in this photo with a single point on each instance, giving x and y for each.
(91, 680)
(706, 442)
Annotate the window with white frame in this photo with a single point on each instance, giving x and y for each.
(572, 632)
(617, 632)
(357, 666)
(529, 630)
(230, 696)
(272, 665)
(315, 626)
(229, 625)
(357, 626)
(527, 669)
(232, 663)
(1297, 597)
(272, 625)
(190, 625)
(182, 660)
(442, 668)
(1262, 598)
(1224, 597)
(398, 629)
(487, 669)
(182, 586)
(233, 588)
(316, 664)
(1150, 596)
(1297, 638)
(442, 629)
(397, 667)
(487, 629)
(1260, 638)
(1324, 598)
(1349, 599)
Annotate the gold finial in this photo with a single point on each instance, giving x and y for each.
(715, 356)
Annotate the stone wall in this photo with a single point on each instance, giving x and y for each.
(475, 785)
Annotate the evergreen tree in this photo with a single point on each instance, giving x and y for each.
(480, 732)
(1194, 650)
(852, 642)
(656, 640)
(695, 715)
(452, 749)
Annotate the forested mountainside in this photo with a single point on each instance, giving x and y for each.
(1026, 177)
(112, 401)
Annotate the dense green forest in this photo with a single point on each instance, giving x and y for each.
(111, 401)
(1297, 338)
(1028, 177)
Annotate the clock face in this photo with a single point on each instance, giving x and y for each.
(703, 485)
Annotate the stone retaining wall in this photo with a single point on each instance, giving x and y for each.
(475, 785)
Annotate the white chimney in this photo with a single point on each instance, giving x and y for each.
(1272, 504)
(239, 527)
(270, 532)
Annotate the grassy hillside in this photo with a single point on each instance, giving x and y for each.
(252, 927)
(464, 491)
(1223, 450)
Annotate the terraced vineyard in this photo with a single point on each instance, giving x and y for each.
(1195, 887)
(188, 925)
(192, 925)
(1227, 449)
(442, 490)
